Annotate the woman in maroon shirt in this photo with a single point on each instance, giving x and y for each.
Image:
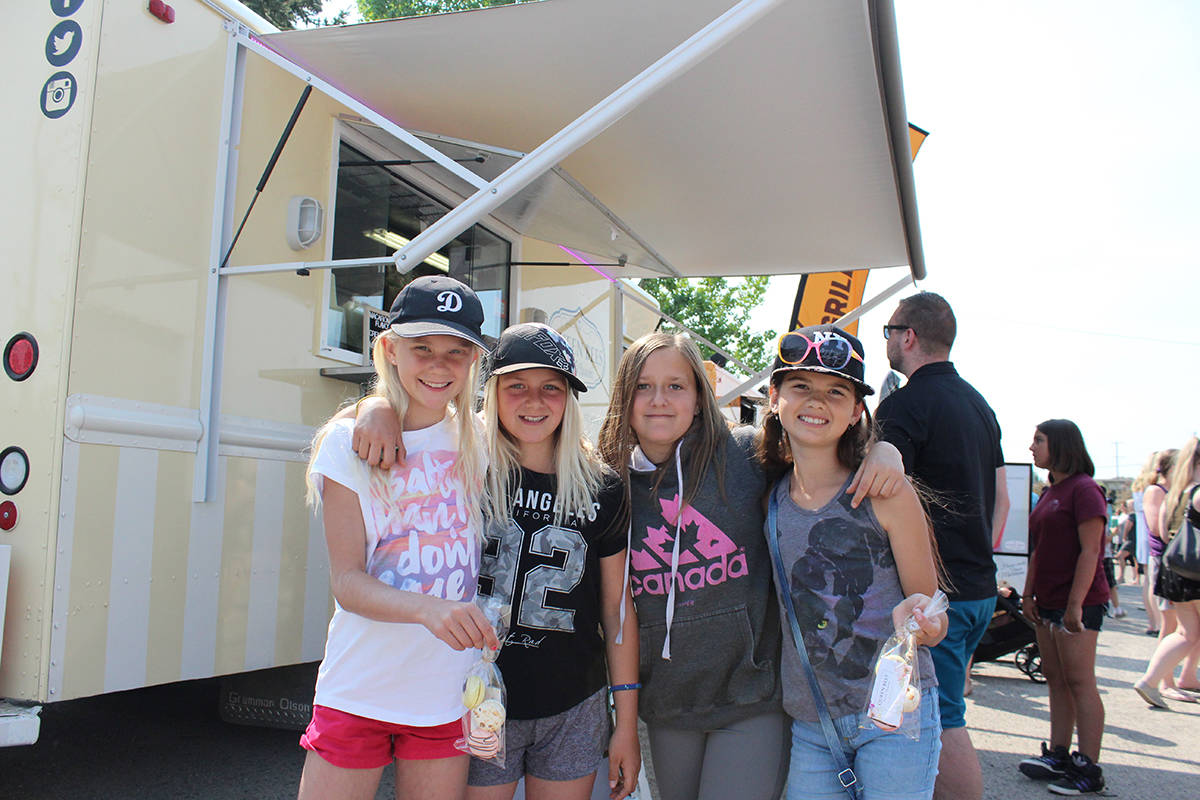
(1065, 596)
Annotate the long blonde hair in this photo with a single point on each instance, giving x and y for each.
(709, 430)
(577, 465)
(470, 465)
(1179, 482)
(1146, 477)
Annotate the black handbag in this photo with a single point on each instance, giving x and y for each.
(1182, 555)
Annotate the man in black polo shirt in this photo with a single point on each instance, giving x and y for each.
(950, 441)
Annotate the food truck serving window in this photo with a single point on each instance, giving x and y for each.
(377, 212)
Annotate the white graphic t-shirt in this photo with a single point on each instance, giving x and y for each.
(419, 539)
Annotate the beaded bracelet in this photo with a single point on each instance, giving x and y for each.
(624, 687)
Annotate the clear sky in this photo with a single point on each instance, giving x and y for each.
(1059, 196)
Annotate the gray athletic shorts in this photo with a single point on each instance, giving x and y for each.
(563, 747)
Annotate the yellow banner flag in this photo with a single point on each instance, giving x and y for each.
(824, 297)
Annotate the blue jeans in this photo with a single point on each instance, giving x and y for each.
(889, 766)
(968, 622)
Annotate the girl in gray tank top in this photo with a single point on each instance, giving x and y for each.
(853, 573)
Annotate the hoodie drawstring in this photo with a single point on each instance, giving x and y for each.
(639, 463)
(666, 651)
(625, 580)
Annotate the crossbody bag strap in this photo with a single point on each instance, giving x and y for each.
(846, 776)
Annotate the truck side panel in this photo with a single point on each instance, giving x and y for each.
(49, 66)
(153, 588)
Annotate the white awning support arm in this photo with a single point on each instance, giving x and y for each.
(843, 320)
(592, 123)
(875, 302)
(304, 266)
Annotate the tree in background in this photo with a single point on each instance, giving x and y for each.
(287, 14)
(391, 9)
(719, 310)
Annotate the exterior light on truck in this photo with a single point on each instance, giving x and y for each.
(14, 470)
(8, 515)
(20, 356)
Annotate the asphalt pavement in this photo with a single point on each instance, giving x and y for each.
(1147, 753)
(170, 742)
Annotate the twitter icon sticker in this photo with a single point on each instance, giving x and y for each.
(63, 43)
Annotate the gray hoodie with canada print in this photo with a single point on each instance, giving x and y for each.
(710, 648)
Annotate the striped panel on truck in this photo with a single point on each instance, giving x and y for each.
(152, 588)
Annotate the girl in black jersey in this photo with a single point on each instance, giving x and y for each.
(555, 549)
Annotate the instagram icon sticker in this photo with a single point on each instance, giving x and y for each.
(58, 94)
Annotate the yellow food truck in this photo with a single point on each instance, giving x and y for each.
(206, 219)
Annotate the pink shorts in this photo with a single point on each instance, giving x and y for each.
(354, 742)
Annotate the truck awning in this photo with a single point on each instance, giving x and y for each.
(784, 151)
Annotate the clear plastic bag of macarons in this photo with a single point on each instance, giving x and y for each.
(484, 695)
(894, 703)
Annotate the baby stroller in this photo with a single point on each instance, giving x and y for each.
(1010, 632)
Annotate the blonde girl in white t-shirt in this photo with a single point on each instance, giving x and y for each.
(404, 547)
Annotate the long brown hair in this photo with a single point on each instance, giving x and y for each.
(706, 435)
(774, 453)
(1068, 453)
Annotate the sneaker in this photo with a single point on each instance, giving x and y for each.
(1084, 776)
(1150, 694)
(1119, 612)
(1050, 764)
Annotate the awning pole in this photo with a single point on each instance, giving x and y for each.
(852, 315)
(591, 124)
(212, 357)
(843, 320)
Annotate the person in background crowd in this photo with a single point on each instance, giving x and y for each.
(1146, 478)
(1179, 505)
(1110, 573)
(1065, 597)
(950, 442)
(1126, 536)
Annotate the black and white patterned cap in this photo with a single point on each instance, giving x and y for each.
(532, 345)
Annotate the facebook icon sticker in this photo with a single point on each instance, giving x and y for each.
(65, 8)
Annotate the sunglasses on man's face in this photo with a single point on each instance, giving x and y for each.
(832, 351)
(887, 329)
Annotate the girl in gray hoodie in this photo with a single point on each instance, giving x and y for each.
(700, 575)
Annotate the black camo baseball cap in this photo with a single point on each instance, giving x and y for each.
(532, 345)
(438, 304)
(822, 348)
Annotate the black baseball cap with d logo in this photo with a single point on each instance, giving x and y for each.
(437, 304)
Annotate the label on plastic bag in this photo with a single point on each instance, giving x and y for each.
(888, 692)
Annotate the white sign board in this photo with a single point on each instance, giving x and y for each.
(1011, 544)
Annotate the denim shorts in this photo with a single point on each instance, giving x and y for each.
(1093, 616)
(968, 621)
(889, 766)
